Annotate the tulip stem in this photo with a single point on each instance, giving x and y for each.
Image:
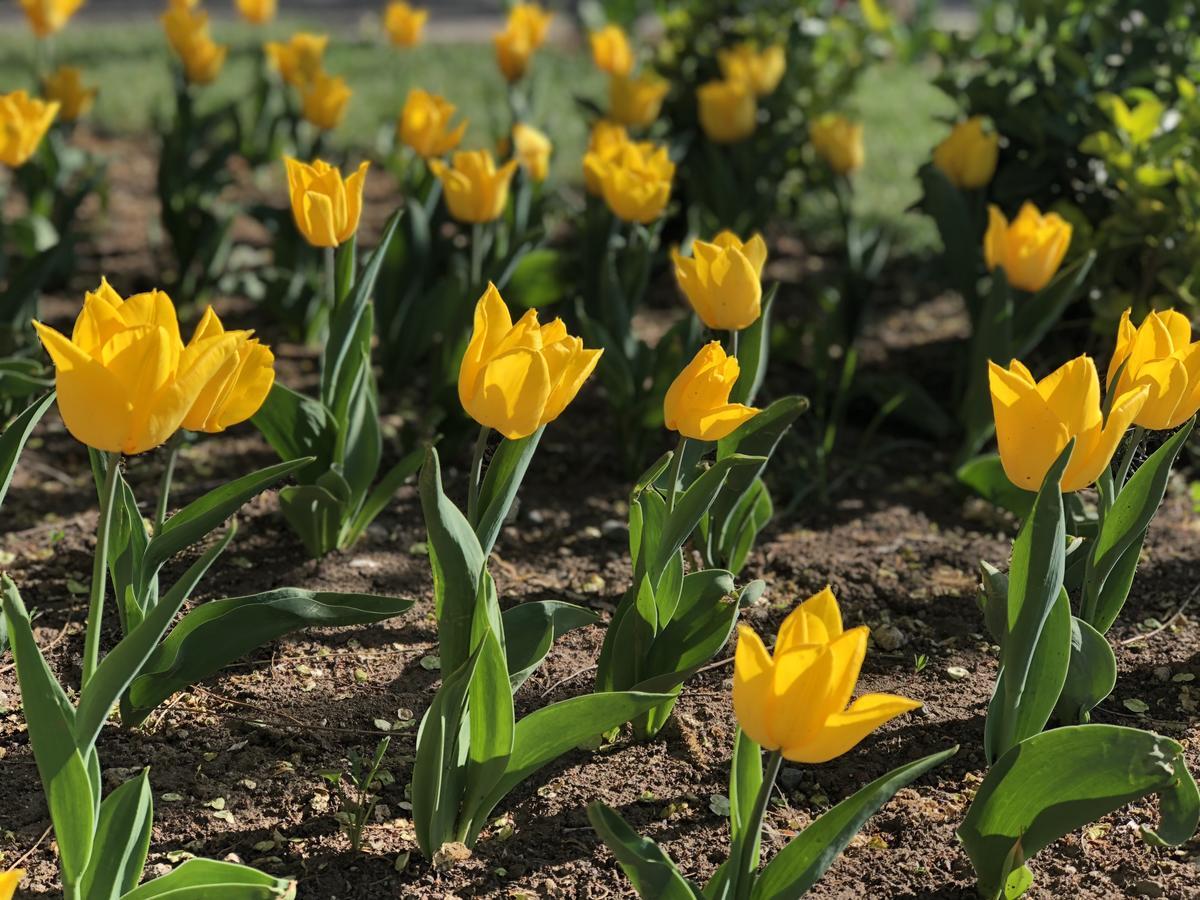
(752, 834)
(676, 470)
(733, 344)
(477, 235)
(331, 278)
(1135, 441)
(481, 443)
(164, 486)
(91, 647)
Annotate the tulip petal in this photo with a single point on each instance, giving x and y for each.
(1029, 435)
(1094, 449)
(817, 620)
(512, 394)
(843, 731)
(166, 410)
(797, 712)
(492, 323)
(847, 653)
(724, 420)
(753, 676)
(318, 219)
(565, 384)
(1072, 392)
(1166, 380)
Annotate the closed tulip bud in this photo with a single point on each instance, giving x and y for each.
(326, 207)
(425, 124)
(203, 60)
(839, 142)
(9, 881)
(65, 87)
(517, 378)
(796, 699)
(24, 121)
(636, 102)
(125, 381)
(239, 388)
(323, 101)
(603, 146)
(1035, 420)
(404, 24)
(761, 70)
(1159, 355)
(298, 61)
(635, 182)
(532, 150)
(257, 12)
(531, 22)
(697, 402)
(967, 157)
(722, 280)
(476, 191)
(513, 52)
(47, 17)
(611, 51)
(728, 111)
(1030, 249)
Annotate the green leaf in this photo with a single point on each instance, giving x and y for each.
(530, 629)
(381, 495)
(798, 866)
(985, 476)
(1034, 318)
(1058, 781)
(1091, 675)
(537, 279)
(754, 350)
(207, 879)
(991, 339)
(961, 238)
(701, 627)
(315, 514)
(644, 863)
(12, 441)
(122, 840)
(297, 426)
(504, 475)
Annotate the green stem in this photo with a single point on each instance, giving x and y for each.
(481, 443)
(733, 344)
(72, 891)
(753, 831)
(331, 277)
(676, 469)
(477, 236)
(1135, 441)
(164, 486)
(91, 648)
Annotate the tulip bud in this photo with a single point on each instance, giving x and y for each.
(531, 22)
(1029, 250)
(404, 24)
(513, 52)
(65, 87)
(839, 142)
(636, 102)
(299, 60)
(1159, 355)
(722, 280)
(967, 157)
(611, 51)
(187, 33)
(475, 190)
(635, 181)
(24, 121)
(324, 100)
(603, 146)
(697, 402)
(326, 207)
(425, 124)
(728, 112)
(47, 17)
(761, 70)
(239, 388)
(532, 149)
(257, 12)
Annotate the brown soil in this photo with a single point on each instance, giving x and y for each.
(236, 762)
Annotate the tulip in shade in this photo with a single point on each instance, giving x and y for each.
(237, 391)
(722, 280)
(24, 121)
(611, 51)
(1030, 249)
(1036, 419)
(635, 182)
(517, 378)
(65, 87)
(324, 100)
(513, 52)
(533, 150)
(425, 124)
(326, 207)
(967, 157)
(257, 12)
(604, 144)
(636, 102)
(299, 60)
(47, 17)
(1159, 355)
(760, 70)
(839, 142)
(404, 24)
(476, 191)
(697, 402)
(125, 381)
(728, 111)
(794, 700)
(9, 881)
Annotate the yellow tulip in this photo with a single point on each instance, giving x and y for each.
(237, 391)
(404, 24)
(603, 146)
(476, 191)
(513, 52)
(1160, 355)
(794, 700)
(326, 207)
(697, 402)
(323, 101)
(728, 111)
(635, 182)
(530, 21)
(517, 378)
(47, 17)
(125, 380)
(300, 59)
(611, 51)
(24, 121)
(203, 59)
(636, 102)
(967, 157)
(1036, 419)
(65, 87)
(187, 33)
(761, 70)
(425, 124)
(9, 881)
(532, 150)
(839, 142)
(257, 12)
(722, 280)
(1030, 249)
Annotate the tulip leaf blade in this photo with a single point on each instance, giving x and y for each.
(798, 866)
(1091, 674)
(651, 872)
(381, 495)
(314, 514)
(985, 476)
(296, 426)
(504, 475)
(198, 879)
(531, 628)
(13, 440)
(1033, 319)
(122, 840)
(754, 349)
(702, 626)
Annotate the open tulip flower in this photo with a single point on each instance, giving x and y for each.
(48, 17)
(517, 378)
(24, 121)
(476, 191)
(611, 51)
(66, 88)
(604, 144)
(1035, 420)
(761, 70)
(968, 155)
(238, 389)
(530, 21)
(513, 52)
(722, 280)
(300, 59)
(257, 12)
(404, 24)
(839, 142)
(636, 102)
(1029, 249)
(697, 403)
(532, 150)
(1159, 355)
(635, 180)
(728, 111)
(425, 124)
(324, 100)
(326, 207)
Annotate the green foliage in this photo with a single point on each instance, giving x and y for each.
(365, 778)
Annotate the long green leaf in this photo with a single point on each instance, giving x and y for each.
(12, 441)
(504, 476)
(207, 879)
(122, 840)
(647, 867)
(1091, 675)
(381, 495)
(296, 426)
(985, 476)
(530, 629)
(754, 352)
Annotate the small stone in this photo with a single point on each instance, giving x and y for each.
(889, 638)
(956, 673)
(614, 529)
(363, 563)
(536, 516)
(1146, 888)
(592, 533)
(1162, 673)
(450, 854)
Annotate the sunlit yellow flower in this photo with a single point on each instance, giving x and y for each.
(47, 17)
(326, 207)
(967, 157)
(300, 59)
(323, 101)
(1036, 419)
(611, 51)
(1159, 355)
(404, 24)
(603, 145)
(239, 388)
(532, 150)
(24, 121)
(697, 402)
(203, 59)
(635, 181)
(722, 280)
(762, 69)
(530, 21)
(794, 699)
(517, 378)
(187, 33)
(125, 381)
(513, 52)
(476, 191)
(65, 87)
(9, 881)
(728, 111)
(636, 102)
(424, 124)
(257, 12)
(1030, 249)
(839, 142)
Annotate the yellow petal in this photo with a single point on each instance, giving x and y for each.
(1094, 448)
(513, 394)
(843, 731)
(815, 621)
(753, 675)
(492, 324)
(9, 881)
